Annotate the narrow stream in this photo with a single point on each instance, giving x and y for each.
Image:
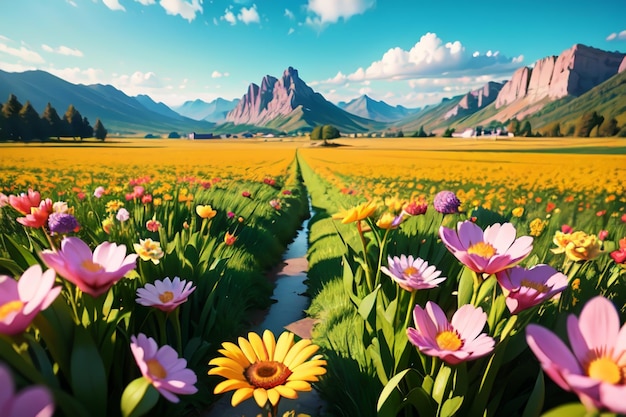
(286, 312)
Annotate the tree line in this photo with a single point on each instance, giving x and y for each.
(22, 123)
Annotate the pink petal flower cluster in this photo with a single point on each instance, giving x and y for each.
(33, 401)
(22, 300)
(454, 341)
(163, 368)
(25, 201)
(595, 367)
(488, 252)
(165, 295)
(412, 273)
(93, 273)
(38, 216)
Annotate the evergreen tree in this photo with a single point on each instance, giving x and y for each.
(99, 131)
(87, 130)
(73, 122)
(11, 113)
(448, 132)
(30, 124)
(421, 133)
(51, 122)
(526, 129)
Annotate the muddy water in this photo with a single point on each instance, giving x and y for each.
(286, 312)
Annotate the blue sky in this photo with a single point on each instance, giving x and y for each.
(408, 52)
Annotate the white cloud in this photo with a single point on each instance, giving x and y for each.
(249, 15)
(62, 50)
(291, 30)
(113, 5)
(76, 75)
(289, 14)
(186, 9)
(71, 3)
(217, 74)
(330, 11)
(146, 2)
(617, 36)
(229, 16)
(22, 52)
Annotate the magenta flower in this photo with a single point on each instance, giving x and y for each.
(62, 223)
(595, 367)
(22, 300)
(486, 252)
(98, 192)
(412, 273)
(525, 288)
(33, 401)
(454, 341)
(93, 273)
(165, 295)
(163, 368)
(446, 202)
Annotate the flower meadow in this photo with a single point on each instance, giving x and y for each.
(482, 281)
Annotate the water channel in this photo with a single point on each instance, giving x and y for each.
(287, 312)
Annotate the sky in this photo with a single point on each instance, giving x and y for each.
(404, 52)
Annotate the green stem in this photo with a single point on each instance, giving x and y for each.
(410, 308)
(382, 244)
(475, 288)
(368, 272)
(175, 319)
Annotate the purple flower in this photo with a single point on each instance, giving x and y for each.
(525, 288)
(34, 401)
(165, 295)
(412, 273)
(62, 223)
(446, 202)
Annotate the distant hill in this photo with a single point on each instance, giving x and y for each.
(214, 111)
(368, 108)
(288, 104)
(120, 114)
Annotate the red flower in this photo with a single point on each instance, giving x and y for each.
(550, 206)
(601, 213)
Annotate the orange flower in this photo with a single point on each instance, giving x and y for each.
(206, 211)
(229, 239)
(360, 212)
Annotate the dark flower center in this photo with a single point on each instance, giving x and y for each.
(267, 374)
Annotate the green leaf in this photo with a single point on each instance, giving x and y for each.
(466, 286)
(420, 399)
(88, 378)
(441, 383)
(535, 401)
(22, 256)
(567, 410)
(367, 304)
(138, 398)
(451, 406)
(389, 388)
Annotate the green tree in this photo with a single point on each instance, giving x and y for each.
(51, 122)
(513, 126)
(86, 130)
(526, 130)
(587, 122)
(73, 122)
(316, 133)
(421, 133)
(448, 132)
(11, 113)
(99, 131)
(330, 132)
(554, 130)
(608, 128)
(30, 123)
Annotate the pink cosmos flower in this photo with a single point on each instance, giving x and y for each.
(595, 367)
(122, 215)
(25, 201)
(163, 368)
(99, 192)
(93, 273)
(165, 295)
(525, 288)
(153, 225)
(412, 273)
(454, 341)
(486, 252)
(38, 216)
(603, 234)
(33, 401)
(22, 300)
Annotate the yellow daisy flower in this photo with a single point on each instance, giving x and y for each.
(267, 369)
(360, 212)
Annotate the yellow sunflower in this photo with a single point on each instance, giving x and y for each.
(266, 368)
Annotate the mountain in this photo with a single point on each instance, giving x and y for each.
(214, 111)
(159, 108)
(549, 83)
(120, 114)
(475, 100)
(365, 106)
(289, 104)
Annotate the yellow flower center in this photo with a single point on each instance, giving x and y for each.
(606, 370)
(482, 249)
(539, 287)
(166, 296)
(156, 369)
(449, 340)
(10, 307)
(91, 266)
(267, 374)
(410, 270)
